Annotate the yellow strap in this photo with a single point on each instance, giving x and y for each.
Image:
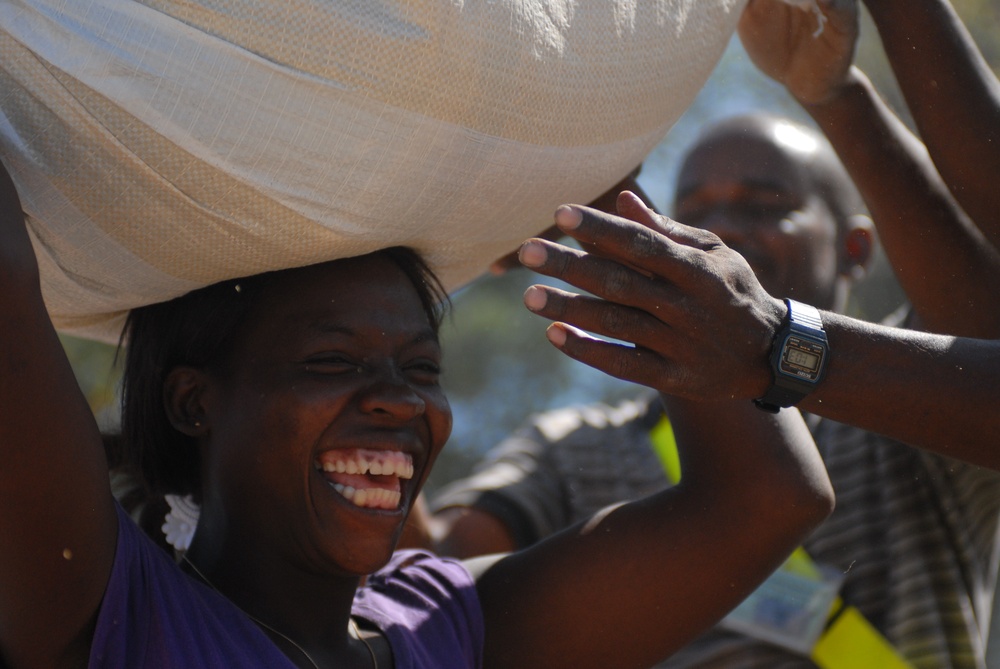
(800, 563)
(665, 447)
(852, 642)
(849, 641)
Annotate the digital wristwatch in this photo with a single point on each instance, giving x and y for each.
(798, 358)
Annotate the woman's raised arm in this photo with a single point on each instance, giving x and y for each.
(57, 519)
(641, 579)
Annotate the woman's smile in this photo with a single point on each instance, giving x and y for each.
(367, 478)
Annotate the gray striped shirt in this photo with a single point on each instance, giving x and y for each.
(915, 534)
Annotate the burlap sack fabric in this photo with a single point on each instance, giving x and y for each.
(163, 145)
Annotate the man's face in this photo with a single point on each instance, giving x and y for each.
(754, 192)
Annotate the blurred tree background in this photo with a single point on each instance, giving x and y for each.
(499, 368)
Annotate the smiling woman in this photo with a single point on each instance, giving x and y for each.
(254, 363)
(303, 410)
(200, 329)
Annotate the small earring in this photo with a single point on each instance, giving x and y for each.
(197, 423)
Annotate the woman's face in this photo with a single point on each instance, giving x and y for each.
(326, 417)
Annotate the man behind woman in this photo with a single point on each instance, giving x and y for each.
(920, 558)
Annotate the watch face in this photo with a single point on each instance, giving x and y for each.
(802, 358)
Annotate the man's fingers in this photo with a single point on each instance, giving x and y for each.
(605, 319)
(592, 273)
(636, 209)
(600, 276)
(510, 261)
(639, 237)
(628, 363)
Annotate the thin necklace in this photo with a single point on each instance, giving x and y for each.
(371, 651)
(353, 624)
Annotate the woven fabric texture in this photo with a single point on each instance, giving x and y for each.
(163, 145)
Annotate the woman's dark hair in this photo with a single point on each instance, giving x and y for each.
(197, 330)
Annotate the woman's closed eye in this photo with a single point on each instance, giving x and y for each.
(419, 370)
(423, 370)
(332, 363)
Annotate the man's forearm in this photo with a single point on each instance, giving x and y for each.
(935, 392)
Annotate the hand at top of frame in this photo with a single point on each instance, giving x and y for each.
(784, 43)
(700, 323)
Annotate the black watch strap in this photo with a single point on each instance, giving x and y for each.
(798, 358)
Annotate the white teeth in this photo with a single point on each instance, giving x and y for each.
(369, 498)
(376, 463)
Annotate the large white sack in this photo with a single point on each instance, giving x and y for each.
(163, 145)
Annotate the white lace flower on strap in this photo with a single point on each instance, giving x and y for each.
(807, 5)
(181, 521)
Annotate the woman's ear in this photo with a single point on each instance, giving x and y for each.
(857, 247)
(182, 398)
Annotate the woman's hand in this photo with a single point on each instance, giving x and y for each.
(784, 42)
(700, 322)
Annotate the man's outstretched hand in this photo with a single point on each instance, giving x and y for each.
(695, 321)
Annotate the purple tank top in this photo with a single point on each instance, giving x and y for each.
(154, 615)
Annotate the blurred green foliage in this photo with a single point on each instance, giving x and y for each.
(97, 373)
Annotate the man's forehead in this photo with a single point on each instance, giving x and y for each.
(751, 166)
(774, 138)
(793, 138)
